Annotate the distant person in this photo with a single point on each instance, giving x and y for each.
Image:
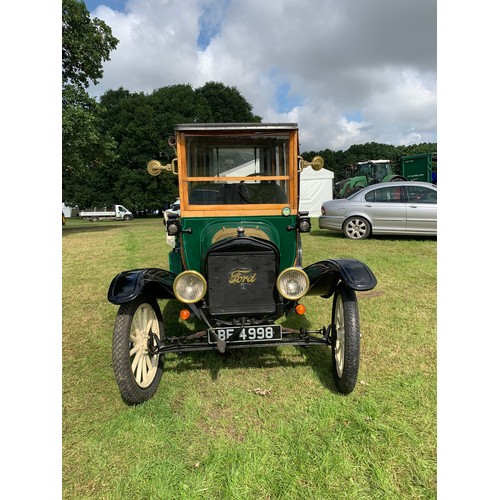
(434, 177)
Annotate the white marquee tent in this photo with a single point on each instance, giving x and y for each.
(316, 186)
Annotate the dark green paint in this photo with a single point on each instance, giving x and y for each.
(197, 242)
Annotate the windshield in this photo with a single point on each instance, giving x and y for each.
(363, 169)
(238, 169)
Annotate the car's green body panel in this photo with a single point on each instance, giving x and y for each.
(200, 233)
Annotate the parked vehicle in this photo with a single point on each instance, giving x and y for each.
(405, 208)
(417, 167)
(175, 209)
(367, 173)
(118, 213)
(237, 260)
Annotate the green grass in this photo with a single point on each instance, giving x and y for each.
(257, 423)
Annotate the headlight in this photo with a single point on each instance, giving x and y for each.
(172, 228)
(190, 287)
(304, 225)
(293, 283)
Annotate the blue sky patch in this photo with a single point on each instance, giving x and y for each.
(207, 30)
(112, 4)
(354, 116)
(209, 23)
(285, 102)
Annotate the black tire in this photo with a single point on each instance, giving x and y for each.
(357, 228)
(94, 219)
(137, 370)
(127, 217)
(345, 336)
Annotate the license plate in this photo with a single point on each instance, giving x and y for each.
(248, 333)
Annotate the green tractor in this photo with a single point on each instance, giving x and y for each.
(365, 174)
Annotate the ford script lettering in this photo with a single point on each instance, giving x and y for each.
(242, 276)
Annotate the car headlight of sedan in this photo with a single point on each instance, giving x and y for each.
(293, 283)
(190, 287)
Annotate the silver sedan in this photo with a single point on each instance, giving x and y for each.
(403, 207)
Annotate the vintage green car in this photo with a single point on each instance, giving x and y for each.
(236, 262)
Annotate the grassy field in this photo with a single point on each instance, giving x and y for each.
(259, 423)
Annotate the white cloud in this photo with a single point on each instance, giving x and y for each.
(336, 59)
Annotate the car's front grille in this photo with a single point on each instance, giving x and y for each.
(241, 283)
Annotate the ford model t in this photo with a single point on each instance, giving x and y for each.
(236, 262)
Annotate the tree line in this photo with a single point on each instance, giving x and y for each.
(107, 144)
(139, 125)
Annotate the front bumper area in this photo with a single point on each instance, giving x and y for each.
(200, 341)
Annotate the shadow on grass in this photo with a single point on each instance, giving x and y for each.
(318, 357)
(94, 228)
(84, 226)
(337, 235)
(323, 233)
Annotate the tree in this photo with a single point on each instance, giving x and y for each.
(227, 104)
(140, 124)
(86, 44)
(86, 145)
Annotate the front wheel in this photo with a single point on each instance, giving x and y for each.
(357, 228)
(138, 370)
(345, 339)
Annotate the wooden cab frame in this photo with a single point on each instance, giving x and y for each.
(237, 132)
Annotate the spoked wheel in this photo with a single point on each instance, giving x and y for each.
(345, 339)
(137, 369)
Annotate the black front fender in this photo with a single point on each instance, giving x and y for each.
(127, 285)
(325, 275)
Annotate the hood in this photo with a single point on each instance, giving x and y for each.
(219, 231)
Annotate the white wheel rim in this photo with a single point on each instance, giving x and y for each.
(340, 337)
(356, 228)
(143, 365)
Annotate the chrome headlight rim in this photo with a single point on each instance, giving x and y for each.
(283, 292)
(180, 277)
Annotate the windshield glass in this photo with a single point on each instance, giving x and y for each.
(237, 169)
(363, 169)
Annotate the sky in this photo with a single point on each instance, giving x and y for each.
(347, 71)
